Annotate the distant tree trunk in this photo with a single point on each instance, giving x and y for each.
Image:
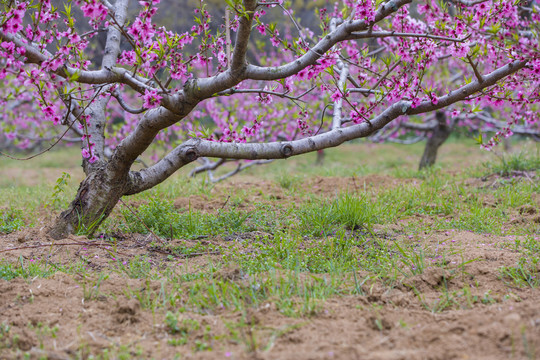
(320, 157)
(438, 137)
(507, 144)
(4, 142)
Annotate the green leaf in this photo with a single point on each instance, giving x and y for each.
(480, 139)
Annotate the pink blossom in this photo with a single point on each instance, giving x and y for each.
(262, 29)
(151, 98)
(128, 58)
(336, 96)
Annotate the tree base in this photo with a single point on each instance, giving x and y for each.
(94, 202)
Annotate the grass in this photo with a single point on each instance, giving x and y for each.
(509, 164)
(524, 274)
(295, 254)
(11, 220)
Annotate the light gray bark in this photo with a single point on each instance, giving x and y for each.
(343, 76)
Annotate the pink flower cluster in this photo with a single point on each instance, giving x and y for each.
(96, 11)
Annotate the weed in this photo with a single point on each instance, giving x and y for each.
(91, 289)
(159, 216)
(149, 298)
(27, 269)
(5, 341)
(413, 259)
(138, 267)
(181, 328)
(202, 346)
(525, 273)
(288, 181)
(11, 220)
(354, 212)
(317, 219)
(86, 229)
(59, 188)
(44, 331)
(507, 164)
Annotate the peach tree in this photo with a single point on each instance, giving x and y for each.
(265, 87)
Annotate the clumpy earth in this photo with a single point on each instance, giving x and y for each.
(84, 301)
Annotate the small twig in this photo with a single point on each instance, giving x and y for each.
(56, 244)
(354, 183)
(228, 36)
(225, 203)
(475, 69)
(185, 256)
(63, 134)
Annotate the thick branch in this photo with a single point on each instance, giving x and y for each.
(242, 37)
(409, 141)
(429, 126)
(35, 56)
(468, 2)
(469, 89)
(96, 127)
(138, 141)
(343, 75)
(207, 166)
(192, 149)
(112, 45)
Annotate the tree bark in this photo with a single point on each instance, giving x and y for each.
(320, 157)
(95, 199)
(507, 144)
(438, 137)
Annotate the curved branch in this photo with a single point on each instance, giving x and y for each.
(207, 166)
(429, 126)
(516, 129)
(410, 141)
(469, 89)
(125, 105)
(140, 139)
(341, 33)
(240, 168)
(468, 2)
(195, 148)
(284, 95)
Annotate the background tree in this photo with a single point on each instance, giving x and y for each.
(184, 80)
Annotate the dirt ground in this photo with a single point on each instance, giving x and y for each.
(498, 321)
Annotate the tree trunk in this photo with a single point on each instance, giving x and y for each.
(507, 144)
(95, 199)
(438, 137)
(320, 157)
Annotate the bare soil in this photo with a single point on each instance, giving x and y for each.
(497, 320)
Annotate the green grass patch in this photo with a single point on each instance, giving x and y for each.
(11, 220)
(508, 164)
